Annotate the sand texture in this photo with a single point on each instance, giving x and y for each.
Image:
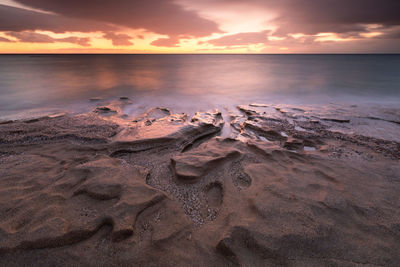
(263, 185)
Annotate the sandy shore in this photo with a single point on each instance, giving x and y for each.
(263, 185)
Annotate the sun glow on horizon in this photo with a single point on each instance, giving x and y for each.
(212, 27)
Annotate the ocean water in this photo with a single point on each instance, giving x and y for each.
(31, 84)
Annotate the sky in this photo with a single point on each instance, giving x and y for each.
(200, 26)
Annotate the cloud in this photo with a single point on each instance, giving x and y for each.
(374, 23)
(336, 13)
(172, 41)
(82, 41)
(315, 16)
(118, 39)
(391, 33)
(33, 37)
(158, 16)
(241, 39)
(355, 20)
(17, 19)
(5, 40)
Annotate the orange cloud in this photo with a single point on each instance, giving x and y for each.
(241, 39)
(2, 39)
(166, 42)
(33, 37)
(118, 39)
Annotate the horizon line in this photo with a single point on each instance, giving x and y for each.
(398, 53)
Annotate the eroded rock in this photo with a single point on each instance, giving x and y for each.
(264, 130)
(172, 193)
(169, 130)
(69, 209)
(193, 165)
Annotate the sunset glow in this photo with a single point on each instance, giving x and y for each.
(184, 26)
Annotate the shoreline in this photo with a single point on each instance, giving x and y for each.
(263, 184)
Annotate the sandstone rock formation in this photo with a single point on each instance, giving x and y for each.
(285, 187)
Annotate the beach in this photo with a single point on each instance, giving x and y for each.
(256, 185)
(199, 133)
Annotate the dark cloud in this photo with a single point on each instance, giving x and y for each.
(241, 39)
(17, 19)
(118, 39)
(159, 16)
(335, 12)
(316, 16)
(391, 33)
(33, 37)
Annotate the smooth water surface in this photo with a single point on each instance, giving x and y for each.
(194, 82)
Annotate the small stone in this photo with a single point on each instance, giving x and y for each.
(293, 144)
(104, 110)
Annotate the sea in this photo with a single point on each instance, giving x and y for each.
(32, 85)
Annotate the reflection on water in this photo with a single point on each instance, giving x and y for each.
(195, 81)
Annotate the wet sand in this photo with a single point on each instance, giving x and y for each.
(261, 185)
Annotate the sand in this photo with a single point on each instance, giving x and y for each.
(263, 185)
